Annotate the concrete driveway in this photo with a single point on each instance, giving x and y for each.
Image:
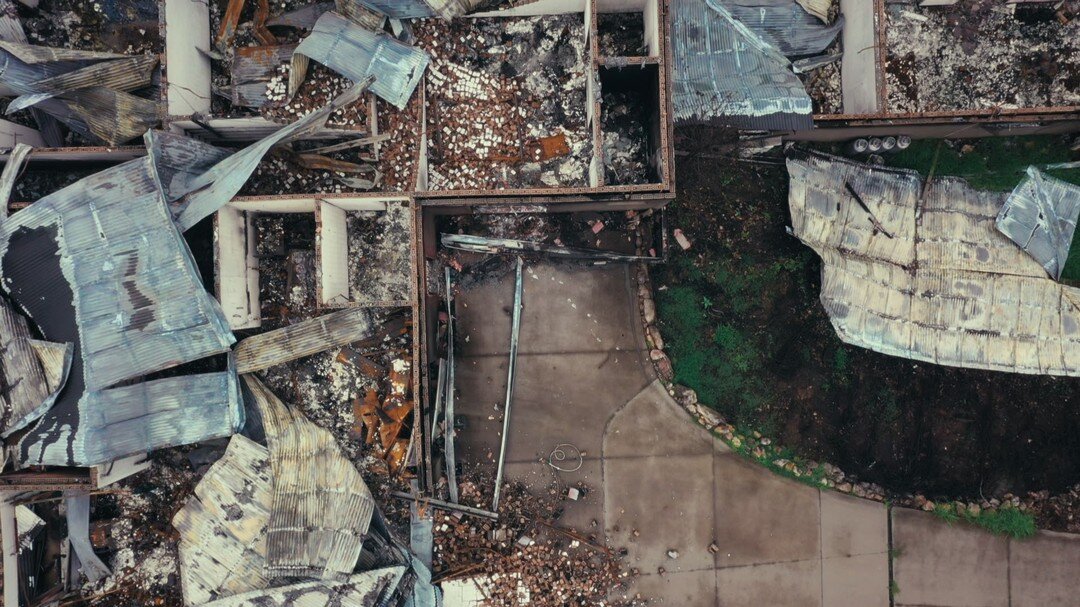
(659, 483)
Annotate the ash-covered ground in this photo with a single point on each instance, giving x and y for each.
(626, 155)
(621, 34)
(114, 26)
(506, 105)
(978, 55)
(285, 246)
(380, 263)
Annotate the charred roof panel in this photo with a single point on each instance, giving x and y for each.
(927, 276)
(1040, 217)
(306, 338)
(726, 72)
(360, 590)
(223, 526)
(101, 265)
(321, 508)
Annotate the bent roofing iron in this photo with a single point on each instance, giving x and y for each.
(1040, 217)
(936, 281)
(725, 71)
(358, 54)
(223, 526)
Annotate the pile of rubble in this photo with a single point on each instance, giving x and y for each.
(525, 557)
(626, 154)
(978, 54)
(506, 102)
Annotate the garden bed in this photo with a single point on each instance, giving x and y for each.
(740, 317)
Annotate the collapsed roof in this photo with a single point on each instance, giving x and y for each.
(102, 266)
(724, 69)
(918, 270)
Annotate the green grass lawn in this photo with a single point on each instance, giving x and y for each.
(993, 163)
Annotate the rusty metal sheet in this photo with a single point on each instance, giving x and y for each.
(321, 508)
(942, 285)
(25, 390)
(127, 74)
(252, 69)
(305, 338)
(222, 526)
(1040, 217)
(303, 17)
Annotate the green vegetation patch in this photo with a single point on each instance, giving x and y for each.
(1005, 520)
(993, 163)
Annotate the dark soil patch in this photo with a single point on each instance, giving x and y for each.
(744, 327)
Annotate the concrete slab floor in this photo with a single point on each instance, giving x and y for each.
(584, 379)
(947, 565)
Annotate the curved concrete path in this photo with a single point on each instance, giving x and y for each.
(658, 482)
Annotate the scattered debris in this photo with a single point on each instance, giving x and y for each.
(978, 54)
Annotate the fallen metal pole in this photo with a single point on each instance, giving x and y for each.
(444, 505)
(448, 413)
(515, 329)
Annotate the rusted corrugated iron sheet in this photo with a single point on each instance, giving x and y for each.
(1040, 217)
(925, 275)
(251, 70)
(26, 391)
(368, 589)
(21, 378)
(321, 507)
(114, 117)
(223, 526)
(95, 103)
(725, 72)
(127, 74)
(305, 338)
(101, 265)
(359, 53)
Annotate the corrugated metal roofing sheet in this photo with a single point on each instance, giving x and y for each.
(305, 338)
(785, 25)
(357, 53)
(1040, 217)
(724, 72)
(321, 508)
(195, 195)
(100, 264)
(223, 526)
(928, 277)
(24, 393)
(400, 9)
(368, 589)
(55, 81)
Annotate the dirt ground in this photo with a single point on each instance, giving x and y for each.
(740, 314)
